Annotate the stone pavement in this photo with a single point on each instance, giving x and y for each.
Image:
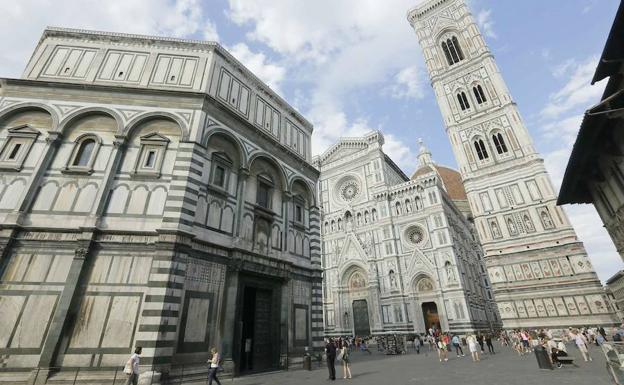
(505, 367)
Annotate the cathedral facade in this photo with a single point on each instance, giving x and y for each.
(154, 193)
(399, 254)
(540, 272)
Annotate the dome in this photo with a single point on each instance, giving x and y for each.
(450, 178)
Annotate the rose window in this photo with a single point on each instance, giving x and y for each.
(349, 190)
(415, 235)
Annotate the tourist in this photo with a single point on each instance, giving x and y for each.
(364, 346)
(330, 351)
(418, 342)
(524, 336)
(472, 346)
(132, 367)
(442, 350)
(346, 362)
(488, 342)
(215, 364)
(480, 342)
(602, 332)
(554, 357)
(457, 344)
(581, 343)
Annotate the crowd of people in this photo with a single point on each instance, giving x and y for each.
(522, 341)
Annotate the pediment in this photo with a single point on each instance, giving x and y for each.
(420, 263)
(23, 130)
(154, 137)
(340, 153)
(351, 249)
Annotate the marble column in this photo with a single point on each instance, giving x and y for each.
(243, 174)
(43, 164)
(68, 303)
(228, 325)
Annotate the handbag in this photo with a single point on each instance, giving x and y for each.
(128, 367)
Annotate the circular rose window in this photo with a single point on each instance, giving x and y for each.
(415, 235)
(349, 190)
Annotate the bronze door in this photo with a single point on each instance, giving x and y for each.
(262, 346)
(361, 323)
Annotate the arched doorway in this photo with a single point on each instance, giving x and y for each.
(430, 315)
(358, 293)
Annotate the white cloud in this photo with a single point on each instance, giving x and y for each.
(485, 22)
(577, 91)
(178, 18)
(562, 118)
(337, 48)
(408, 84)
(401, 154)
(270, 73)
(563, 130)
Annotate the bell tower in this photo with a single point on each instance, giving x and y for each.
(539, 270)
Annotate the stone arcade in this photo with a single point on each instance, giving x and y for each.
(153, 192)
(540, 272)
(399, 255)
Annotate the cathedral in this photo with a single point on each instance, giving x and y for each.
(539, 269)
(400, 254)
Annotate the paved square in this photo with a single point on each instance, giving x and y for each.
(505, 367)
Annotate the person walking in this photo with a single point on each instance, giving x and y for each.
(457, 345)
(581, 344)
(488, 342)
(330, 351)
(472, 346)
(443, 348)
(215, 364)
(346, 362)
(132, 367)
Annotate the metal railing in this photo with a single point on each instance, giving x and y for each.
(614, 354)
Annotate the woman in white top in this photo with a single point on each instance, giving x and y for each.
(472, 345)
(214, 366)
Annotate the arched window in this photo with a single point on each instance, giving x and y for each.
(463, 101)
(359, 219)
(339, 224)
(481, 150)
(479, 94)
(408, 206)
(499, 143)
(399, 211)
(83, 155)
(452, 51)
(418, 203)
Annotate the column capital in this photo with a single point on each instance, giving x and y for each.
(53, 137)
(243, 172)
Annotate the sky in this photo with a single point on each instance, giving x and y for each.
(351, 66)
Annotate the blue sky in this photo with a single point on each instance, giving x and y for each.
(355, 65)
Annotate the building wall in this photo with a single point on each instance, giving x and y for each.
(144, 242)
(540, 271)
(396, 244)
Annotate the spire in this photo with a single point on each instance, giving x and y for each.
(424, 156)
